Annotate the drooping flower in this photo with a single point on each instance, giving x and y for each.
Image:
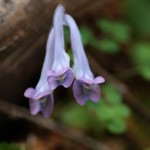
(85, 86)
(60, 72)
(41, 98)
(56, 69)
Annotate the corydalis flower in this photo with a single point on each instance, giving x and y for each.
(85, 86)
(41, 98)
(60, 73)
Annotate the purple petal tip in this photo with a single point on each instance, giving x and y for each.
(99, 80)
(29, 92)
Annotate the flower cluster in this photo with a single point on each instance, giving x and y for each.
(56, 69)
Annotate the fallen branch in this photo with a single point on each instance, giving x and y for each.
(73, 135)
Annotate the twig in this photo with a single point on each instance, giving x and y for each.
(73, 135)
(120, 86)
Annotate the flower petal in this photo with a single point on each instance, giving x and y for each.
(84, 91)
(78, 92)
(99, 80)
(69, 78)
(39, 94)
(94, 93)
(34, 106)
(47, 106)
(64, 78)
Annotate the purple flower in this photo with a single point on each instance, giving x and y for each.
(41, 98)
(56, 69)
(85, 86)
(60, 72)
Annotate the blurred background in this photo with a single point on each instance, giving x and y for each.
(116, 37)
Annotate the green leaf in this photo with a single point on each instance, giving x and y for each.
(107, 46)
(91, 105)
(118, 31)
(121, 32)
(105, 25)
(144, 71)
(112, 95)
(9, 146)
(141, 58)
(141, 53)
(138, 13)
(122, 110)
(113, 116)
(86, 34)
(105, 112)
(117, 126)
(75, 116)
